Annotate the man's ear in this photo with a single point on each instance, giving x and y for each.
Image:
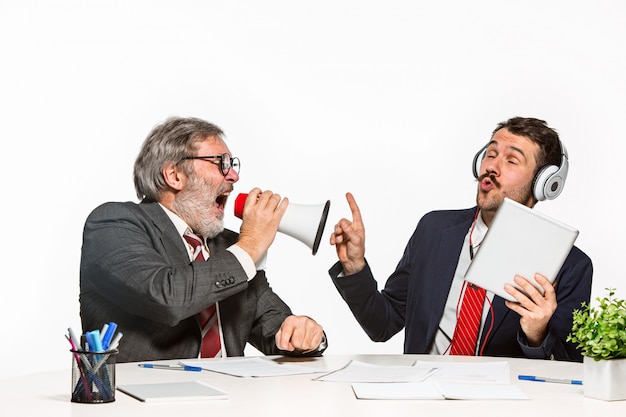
(174, 176)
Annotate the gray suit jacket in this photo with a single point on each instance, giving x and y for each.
(135, 271)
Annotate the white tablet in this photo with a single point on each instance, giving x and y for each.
(520, 241)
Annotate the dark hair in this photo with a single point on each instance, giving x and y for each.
(168, 142)
(538, 131)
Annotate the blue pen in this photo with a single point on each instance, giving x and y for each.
(171, 367)
(89, 342)
(104, 330)
(108, 335)
(115, 341)
(544, 379)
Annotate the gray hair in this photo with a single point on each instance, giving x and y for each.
(169, 142)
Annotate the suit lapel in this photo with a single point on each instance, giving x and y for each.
(500, 311)
(451, 243)
(168, 235)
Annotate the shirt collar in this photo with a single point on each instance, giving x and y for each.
(480, 230)
(179, 224)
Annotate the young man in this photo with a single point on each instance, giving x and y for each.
(167, 272)
(523, 161)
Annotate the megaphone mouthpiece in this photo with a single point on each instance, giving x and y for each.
(300, 221)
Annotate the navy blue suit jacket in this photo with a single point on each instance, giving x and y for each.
(415, 295)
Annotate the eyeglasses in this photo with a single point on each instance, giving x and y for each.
(226, 162)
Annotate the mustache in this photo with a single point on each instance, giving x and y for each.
(225, 189)
(491, 177)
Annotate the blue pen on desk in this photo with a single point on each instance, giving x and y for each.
(545, 379)
(171, 367)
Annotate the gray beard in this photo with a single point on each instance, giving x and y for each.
(206, 226)
(192, 205)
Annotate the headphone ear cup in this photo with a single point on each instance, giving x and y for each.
(478, 159)
(550, 180)
(546, 185)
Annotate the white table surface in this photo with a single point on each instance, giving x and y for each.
(48, 394)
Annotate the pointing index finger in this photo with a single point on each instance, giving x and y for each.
(354, 208)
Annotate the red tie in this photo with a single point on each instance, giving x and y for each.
(211, 346)
(468, 322)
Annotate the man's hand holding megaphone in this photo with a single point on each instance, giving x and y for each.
(262, 213)
(304, 222)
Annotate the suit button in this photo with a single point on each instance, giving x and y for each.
(231, 280)
(218, 284)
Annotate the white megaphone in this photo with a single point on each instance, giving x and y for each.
(301, 221)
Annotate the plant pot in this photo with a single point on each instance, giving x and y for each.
(604, 379)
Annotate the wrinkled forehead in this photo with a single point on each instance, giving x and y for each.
(211, 145)
(515, 143)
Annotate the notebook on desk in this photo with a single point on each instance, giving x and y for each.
(173, 391)
(520, 241)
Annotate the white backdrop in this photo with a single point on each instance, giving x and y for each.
(389, 100)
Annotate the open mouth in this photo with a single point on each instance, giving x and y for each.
(221, 199)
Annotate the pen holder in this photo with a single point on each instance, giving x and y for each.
(93, 376)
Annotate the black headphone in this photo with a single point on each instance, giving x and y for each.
(549, 180)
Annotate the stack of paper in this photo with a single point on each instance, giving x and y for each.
(429, 380)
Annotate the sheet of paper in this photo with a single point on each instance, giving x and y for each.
(252, 367)
(437, 391)
(454, 391)
(401, 391)
(496, 372)
(356, 371)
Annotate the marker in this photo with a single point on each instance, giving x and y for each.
(544, 379)
(103, 331)
(74, 339)
(108, 334)
(115, 341)
(171, 367)
(72, 344)
(94, 341)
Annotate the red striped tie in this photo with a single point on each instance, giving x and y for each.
(211, 345)
(468, 322)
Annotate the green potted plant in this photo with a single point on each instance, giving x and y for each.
(600, 333)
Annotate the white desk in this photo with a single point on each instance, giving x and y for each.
(48, 394)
